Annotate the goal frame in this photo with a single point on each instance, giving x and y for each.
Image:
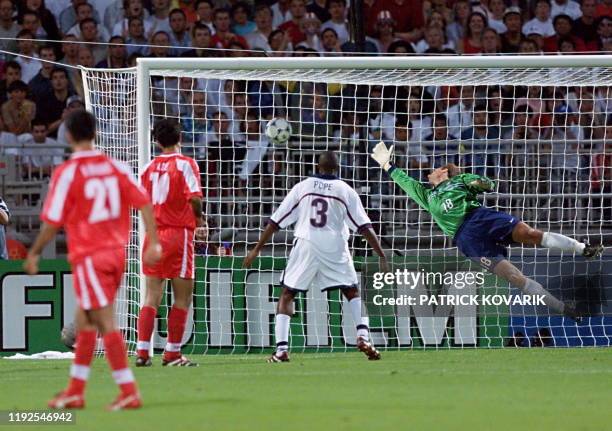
(145, 67)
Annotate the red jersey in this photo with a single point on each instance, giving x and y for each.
(171, 180)
(91, 196)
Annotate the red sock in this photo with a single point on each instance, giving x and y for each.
(116, 355)
(176, 327)
(83, 355)
(146, 321)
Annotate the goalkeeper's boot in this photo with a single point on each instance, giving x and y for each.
(179, 361)
(64, 400)
(126, 402)
(368, 349)
(282, 356)
(143, 362)
(570, 311)
(592, 251)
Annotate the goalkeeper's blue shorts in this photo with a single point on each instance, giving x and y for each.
(484, 235)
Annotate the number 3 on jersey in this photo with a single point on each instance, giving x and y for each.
(160, 186)
(106, 199)
(320, 207)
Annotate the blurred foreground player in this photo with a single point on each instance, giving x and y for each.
(91, 196)
(323, 209)
(173, 183)
(480, 233)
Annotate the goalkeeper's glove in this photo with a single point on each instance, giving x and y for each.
(382, 155)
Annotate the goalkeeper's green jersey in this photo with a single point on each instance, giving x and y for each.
(450, 201)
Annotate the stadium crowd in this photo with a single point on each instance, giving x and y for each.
(42, 44)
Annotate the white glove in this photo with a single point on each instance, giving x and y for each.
(382, 155)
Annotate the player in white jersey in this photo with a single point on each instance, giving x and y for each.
(323, 209)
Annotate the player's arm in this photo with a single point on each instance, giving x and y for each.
(417, 191)
(46, 234)
(4, 213)
(153, 252)
(370, 236)
(478, 183)
(263, 240)
(196, 205)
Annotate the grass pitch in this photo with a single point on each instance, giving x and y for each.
(537, 389)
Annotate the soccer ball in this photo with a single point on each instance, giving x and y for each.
(278, 130)
(68, 335)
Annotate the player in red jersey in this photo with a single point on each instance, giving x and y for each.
(90, 196)
(173, 183)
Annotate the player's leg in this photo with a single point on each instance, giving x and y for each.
(528, 286)
(116, 355)
(177, 318)
(73, 395)
(284, 311)
(525, 234)
(146, 319)
(361, 323)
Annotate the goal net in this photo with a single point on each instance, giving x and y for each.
(538, 126)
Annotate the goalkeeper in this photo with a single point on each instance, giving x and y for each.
(481, 233)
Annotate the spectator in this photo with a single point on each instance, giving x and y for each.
(51, 108)
(89, 34)
(480, 155)
(241, 14)
(459, 114)
(401, 47)
(521, 126)
(12, 73)
(70, 49)
(529, 46)
(437, 6)
(195, 125)
(68, 17)
(136, 42)
(85, 11)
(419, 116)
(472, 42)
(337, 11)
(408, 16)
(604, 31)
(31, 22)
(40, 85)
(158, 21)
(601, 178)
(542, 21)
(17, 111)
(385, 31)
(281, 13)
(42, 159)
(73, 103)
(179, 36)
(280, 44)
(256, 149)
(585, 27)
(565, 7)
(8, 27)
(120, 10)
(455, 31)
(591, 123)
(511, 39)
(491, 43)
(5, 216)
(434, 42)
(294, 27)
(330, 42)
(603, 9)
(311, 26)
(563, 29)
(200, 42)
(133, 9)
(258, 38)
(497, 9)
(28, 57)
(319, 8)
(117, 54)
(223, 36)
(440, 144)
(159, 45)
(204, 10)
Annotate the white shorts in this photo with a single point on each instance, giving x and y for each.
(308, 264)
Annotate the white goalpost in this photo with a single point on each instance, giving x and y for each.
(537, 125)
